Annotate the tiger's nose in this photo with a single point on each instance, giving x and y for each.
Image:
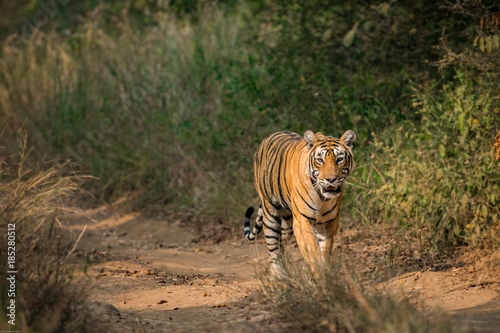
(331, 180)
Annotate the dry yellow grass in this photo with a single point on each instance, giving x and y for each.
(32, 207)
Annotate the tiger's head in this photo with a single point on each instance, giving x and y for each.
(330, 161)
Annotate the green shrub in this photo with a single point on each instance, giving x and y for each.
(439, 177)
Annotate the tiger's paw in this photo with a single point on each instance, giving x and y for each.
(275, 270)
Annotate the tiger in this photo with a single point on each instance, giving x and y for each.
(300, 182)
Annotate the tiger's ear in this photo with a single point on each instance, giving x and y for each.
(348, 138)
(320, 136)
(310, 138)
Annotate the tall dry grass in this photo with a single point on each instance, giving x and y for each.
(33, 199)
(334, 300)
(144, 111)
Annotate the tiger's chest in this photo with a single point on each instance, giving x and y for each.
(314, 209)
(329, 211)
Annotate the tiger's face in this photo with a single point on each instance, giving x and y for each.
(330, 161)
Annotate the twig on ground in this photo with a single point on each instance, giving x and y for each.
(76, 243)
(471, 284)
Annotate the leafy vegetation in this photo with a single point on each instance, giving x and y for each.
(143, 111)
(438, 177)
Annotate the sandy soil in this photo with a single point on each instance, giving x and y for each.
(159, 275)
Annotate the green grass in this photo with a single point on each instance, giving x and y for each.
(145, 111)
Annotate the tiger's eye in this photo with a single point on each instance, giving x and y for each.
(319, 160)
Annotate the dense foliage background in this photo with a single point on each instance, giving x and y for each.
(166, 101)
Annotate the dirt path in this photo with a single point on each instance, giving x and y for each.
(160, 278)
(150, 275)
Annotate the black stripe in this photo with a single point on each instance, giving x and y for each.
(265, 187)
(307, 217)
(275, 218)
(284, 193)
(331, 210)
(274, 159)
(300, 195)
(272, 237)
(329, 221)
(268, 213)
(272, 229)
(280, 191)
(306, 190)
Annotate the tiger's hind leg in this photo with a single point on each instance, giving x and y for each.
(271, 221)
(286, 235)
(286, 225)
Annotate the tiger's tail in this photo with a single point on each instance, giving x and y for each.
(250, 235)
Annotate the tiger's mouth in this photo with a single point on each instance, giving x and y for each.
(332, 189)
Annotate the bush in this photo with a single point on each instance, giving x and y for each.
(438, 178)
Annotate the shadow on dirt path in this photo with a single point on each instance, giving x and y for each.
(481, 318)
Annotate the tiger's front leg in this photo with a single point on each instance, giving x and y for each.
(325, 236)
(306, 240)
(315, 240)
